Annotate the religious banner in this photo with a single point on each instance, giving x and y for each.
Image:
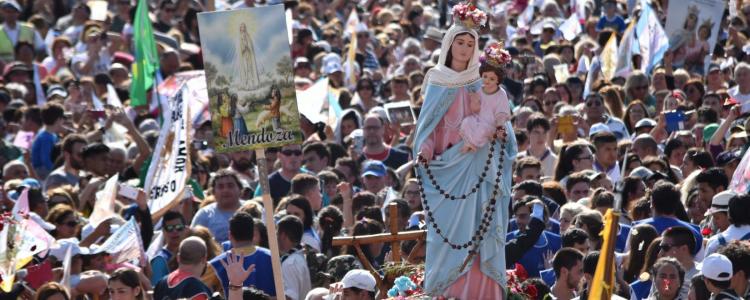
(693, 27)
(249, 75)
(170, 166)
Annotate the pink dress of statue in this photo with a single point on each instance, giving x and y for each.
(487, 113)
(474, 284)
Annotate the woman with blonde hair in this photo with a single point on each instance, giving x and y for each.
(613, 101)
(636, 88)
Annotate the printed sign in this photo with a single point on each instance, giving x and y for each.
(249, 75)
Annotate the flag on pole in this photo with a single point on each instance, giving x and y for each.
(608, 57)
(628, 46)
(311, 100)
(146, 57)
(653, 40)
(604, 277)
(592, 72)
(169, 169)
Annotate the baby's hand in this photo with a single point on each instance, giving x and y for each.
(468, 148)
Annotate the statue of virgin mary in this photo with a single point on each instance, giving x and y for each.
(465, 194)
(249, 78)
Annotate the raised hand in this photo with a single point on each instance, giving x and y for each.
(235, 266)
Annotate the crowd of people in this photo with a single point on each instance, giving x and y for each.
(585, 144)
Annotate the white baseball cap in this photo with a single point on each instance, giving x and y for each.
(717, 267)
(363, 280)
(598, 127)
(720, 202)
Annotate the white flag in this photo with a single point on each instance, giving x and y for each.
(104, 207)
(112, 97)
(571, 28)
(653, 39)
(170, 165)
(125, 244)
(626, 50)
(524, 20)
(156, 244)
(310, 101)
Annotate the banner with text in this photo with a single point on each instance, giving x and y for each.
(170, 165)
(249, 75)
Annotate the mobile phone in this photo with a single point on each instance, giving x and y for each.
(358, 140)
(127, 191)
(675, 120)
(97, 114)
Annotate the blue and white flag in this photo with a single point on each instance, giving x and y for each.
(653, 40)
(628, 47)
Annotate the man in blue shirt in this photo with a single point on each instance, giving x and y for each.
(241, 230)
(53, 116)
(533, 260)
(663, 199)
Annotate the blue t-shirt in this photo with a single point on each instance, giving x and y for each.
(640, 289)
(41, 152)
(533, 260)
(215, 219)
(616, 23)
(622, 238)
(663, 223)
(548, 276)
(261, 278)
(159, 267)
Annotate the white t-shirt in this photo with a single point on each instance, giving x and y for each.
(732, 233)
(296, 276)
(101, 66)
(744, 99)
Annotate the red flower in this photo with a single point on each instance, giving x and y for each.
(706, 231)
(531, 291)
(521, 272)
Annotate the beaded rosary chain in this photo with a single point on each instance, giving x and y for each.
(488, 211)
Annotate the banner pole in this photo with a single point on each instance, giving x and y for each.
(260, 157)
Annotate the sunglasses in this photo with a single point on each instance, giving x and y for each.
(173, 228)
(71, 223)
(291, 152)
(594, 103)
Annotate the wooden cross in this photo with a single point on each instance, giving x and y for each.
(394, 237)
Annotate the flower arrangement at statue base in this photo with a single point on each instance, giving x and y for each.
(407, 282)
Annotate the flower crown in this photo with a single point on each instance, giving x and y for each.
(495, 55)
(468, 15)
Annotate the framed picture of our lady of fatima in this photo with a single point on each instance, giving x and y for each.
(249, 75)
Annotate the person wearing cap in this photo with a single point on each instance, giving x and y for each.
(14, 31)
(710, 182)
(331, 68)
(644, 126)
(595, 112)
(717, 274)
(431, 40)
(737, 209)
(373, 176)
(302, 68)
(185, 282)
(375, 147)
(714, 80)
(728, 161)
(356, 285)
